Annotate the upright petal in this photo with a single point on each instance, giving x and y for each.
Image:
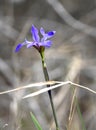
(35, 35)
(42, 31)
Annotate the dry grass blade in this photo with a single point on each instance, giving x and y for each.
(72, 109)
(28, 86)
(56, 86)
(46, 89)
(81, 86)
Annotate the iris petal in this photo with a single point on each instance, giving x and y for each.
(30, 44)
(27, 42)
(47, 35)
(47, 43)
(18, 47)
(35, 35)
(42, 31)
(50, 34)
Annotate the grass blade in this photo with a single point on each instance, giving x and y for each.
(36, 123)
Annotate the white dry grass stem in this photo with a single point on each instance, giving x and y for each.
(59, 84)
(56, 86)
(28, 86)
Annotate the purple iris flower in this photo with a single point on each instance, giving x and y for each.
(37, 40)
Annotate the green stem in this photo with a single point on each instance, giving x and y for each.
(80, 115)
(49, 92)
(79, 112)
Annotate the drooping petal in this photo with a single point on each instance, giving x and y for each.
(18, 47)
(30, 44)
(50, 34)
(47, 43)
(35, 34)
(27, 42)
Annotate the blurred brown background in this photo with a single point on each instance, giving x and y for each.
(71, 57)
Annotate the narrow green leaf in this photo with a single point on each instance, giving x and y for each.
(36, 123)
